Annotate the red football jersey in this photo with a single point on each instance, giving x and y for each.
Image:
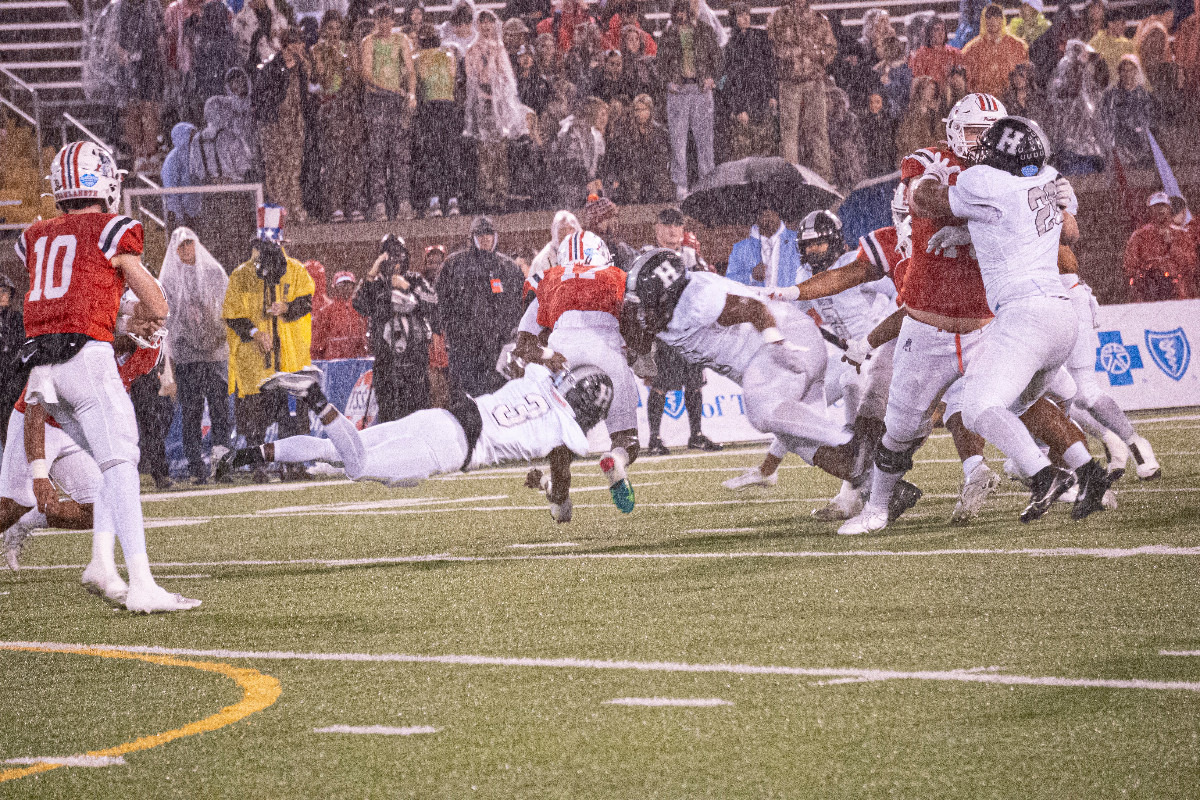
(878, 248)
(564, 289)
(73, 286)
(940, 284)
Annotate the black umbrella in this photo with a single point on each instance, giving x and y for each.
(731, 194)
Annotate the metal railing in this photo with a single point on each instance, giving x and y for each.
(128, 195)
(33, 116)
(70, 121)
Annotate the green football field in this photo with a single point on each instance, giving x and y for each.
(452, 641)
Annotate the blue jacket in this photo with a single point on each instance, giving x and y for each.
(748, 253)
(177, 171)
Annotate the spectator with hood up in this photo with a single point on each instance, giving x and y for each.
(182, 209)
(479, 295)
(993, 54)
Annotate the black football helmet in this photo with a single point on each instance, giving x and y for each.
(655, 282)
(1015, 145)
(821, 227)
(589, 392)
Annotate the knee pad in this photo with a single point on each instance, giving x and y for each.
(894, 461)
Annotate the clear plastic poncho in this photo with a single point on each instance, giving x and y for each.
(1075, 97)
(195, 294)
(494, 111)
(104, 76)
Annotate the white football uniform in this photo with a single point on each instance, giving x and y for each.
(71, 467)
(1015, 227)
(853, 314)
(524, 420)
(784, 399)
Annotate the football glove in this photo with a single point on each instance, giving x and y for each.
(857, 353)
(948, 239)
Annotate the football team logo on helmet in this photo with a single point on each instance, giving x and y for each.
(655, 282)
(589, 392)
(86, 171)
(1015, 145)
(817, 228)
(967, 121)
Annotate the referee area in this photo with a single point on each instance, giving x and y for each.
(451, 641)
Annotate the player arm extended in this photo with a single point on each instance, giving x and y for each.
(835, 281)
(62, 514)
(144, 285)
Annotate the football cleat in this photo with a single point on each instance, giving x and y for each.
(105, 583)
(656, 447)
(702, 442)
(305, 384)
(904, 497)
(976, 490)
(14, 542)
(1109, 501)
(236, 459)
(844, 505)
(1047, 485)
(561, 512)
(1092, 480)
(613, 468)
(154, 599)
(869, 520)
(751, 477)
(1147, 465)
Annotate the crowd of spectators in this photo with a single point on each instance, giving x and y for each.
(382, 114)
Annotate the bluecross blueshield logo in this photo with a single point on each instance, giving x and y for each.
(1171, 351)
(1117, 359)
(674, 406)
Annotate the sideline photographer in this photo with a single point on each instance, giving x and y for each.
(401, 311)
(268, 312)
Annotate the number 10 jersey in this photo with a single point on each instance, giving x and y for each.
(73, 285)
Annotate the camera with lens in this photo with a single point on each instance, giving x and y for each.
(397, 255)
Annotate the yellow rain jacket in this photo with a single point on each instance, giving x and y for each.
(248, 297)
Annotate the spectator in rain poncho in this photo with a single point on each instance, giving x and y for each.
(459, 30)
(194, 283)
(494, 112)
(565, 224)
(224, 150)
(182, 209)
(970, 14)
(1127, 110)
(103, 73)
(1075, 95)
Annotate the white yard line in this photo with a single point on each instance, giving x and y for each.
(1154, 550)
(181, 577)
(298, 486)
(532, 545)
(945, 676)
(721, 530)
(668, 702)
(70, 761)
(1185, 653)
(378, 730)
(376, 505)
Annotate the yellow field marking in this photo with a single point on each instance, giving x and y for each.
(258, 692)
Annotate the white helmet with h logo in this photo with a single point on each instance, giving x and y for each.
(86, 171)
(970, 117)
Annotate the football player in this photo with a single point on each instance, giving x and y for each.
(79, 264)
(774, 352)
(850, 314)
(1018, 209)
(529, 418)
(576, 317)
(945, 319)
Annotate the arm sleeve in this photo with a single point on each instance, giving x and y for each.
(969, 200)
(298, 308)
(242, 328)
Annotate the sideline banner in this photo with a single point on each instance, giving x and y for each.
(1144, 354)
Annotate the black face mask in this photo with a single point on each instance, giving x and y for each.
(271, 265)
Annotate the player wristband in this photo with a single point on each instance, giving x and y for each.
(253, 332)
(40, 468)
(772, 335)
